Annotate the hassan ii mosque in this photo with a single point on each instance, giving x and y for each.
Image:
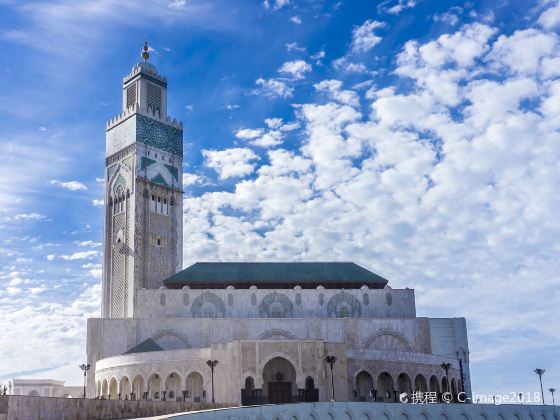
(269, 325)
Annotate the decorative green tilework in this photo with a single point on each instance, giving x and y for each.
(145, 162)
(173, 171)
(159, 180)
(111, 170)
(120, 181)
(128, 162)
(157, 134)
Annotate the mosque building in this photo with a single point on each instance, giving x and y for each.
(240, 332)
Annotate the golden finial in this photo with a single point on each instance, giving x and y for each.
(145, 53)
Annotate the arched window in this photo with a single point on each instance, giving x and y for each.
(249, 383)
(309, 383)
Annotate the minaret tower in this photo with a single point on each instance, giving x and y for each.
(143, 238)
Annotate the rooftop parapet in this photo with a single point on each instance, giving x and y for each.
(144, 110)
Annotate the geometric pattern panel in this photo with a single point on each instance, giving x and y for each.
(157, 134)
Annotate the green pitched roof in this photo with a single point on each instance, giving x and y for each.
(275, 275)
(144, 346)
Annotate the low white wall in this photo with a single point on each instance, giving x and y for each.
(370, 411)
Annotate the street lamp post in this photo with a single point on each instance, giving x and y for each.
(212, 364)
(85, 368)
(552, 390)
(446, 367)
(540, 372)
(331, 360)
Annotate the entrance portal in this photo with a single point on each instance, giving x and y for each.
(279, 392)
(279, 381)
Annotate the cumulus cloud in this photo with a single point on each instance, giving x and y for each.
(70, 185)
(295, 69)
(273, 88)
(248, 133)
(190, 179)
(550, 18)
(236, 162)
(89, 243)
(98, 203)
(40, 322)
(82, 255)
(271, 136)
(333, 88)
(445, 181)
(364, 37)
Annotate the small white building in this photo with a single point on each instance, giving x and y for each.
(44, 388)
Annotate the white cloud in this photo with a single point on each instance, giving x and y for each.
(70, 185)
(293, 46)
(273, 122)
(273, 88)
(522, 52)
(296, 20)
(41, 323)
(342, 64)
(98, 203)
(50, 257)
(177, 4)
(450, 17)
(318, 55)
(100, 180)
(248, 133)
(295, 69)
(231, 107)
(29, 216)
(395, 8)
(272, 136)
(333, 87)
(275, 4)
(190, 179)
(364, 37)
(433, 186)
(550, 18)
(89, 243)
(230, 163)
(83, 255)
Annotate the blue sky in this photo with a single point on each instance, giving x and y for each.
(417, 138)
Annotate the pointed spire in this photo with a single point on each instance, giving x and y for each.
(145, 54)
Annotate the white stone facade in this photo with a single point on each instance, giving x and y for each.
(380, 347)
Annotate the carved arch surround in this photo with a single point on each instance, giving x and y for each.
(208, 298)
(172, 333)
(276, 298)
(270, 334)
(347, 300)
(393, 334)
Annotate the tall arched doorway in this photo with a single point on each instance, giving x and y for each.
(385, 387)
(279, 381)
(195, 387)
(364, 386)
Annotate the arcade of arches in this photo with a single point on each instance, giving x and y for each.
(174, 387)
